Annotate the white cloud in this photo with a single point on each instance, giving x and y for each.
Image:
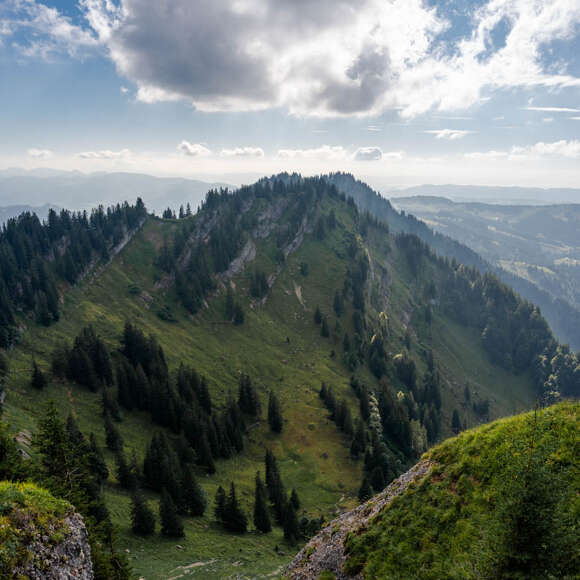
(547, 119)
(193, 149)
(552, 109)
(326, 152)
(42, 31)
(243, 152)
(575, 118)
(105, 154)
(449, 134)
(368, 154)
(39, 153)
(324, 58)
(563, 149)
(124, 90)
(486, 155)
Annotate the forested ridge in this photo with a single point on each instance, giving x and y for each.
(287, 273)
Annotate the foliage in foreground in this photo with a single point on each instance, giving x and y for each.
(502, 502)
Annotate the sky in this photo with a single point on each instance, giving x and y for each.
(400, 92)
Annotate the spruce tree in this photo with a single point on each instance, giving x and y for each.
(97, 462)
(294, 500)
(366, 491)
(261, 515)
(455, 422)
(125, 475)
(113, 438)
(274, 415)
(220, 504)
(142, 518)
(193, 497)
(171, 524)
(317, 315)
(38, 380)
(234, 518)
(324, 330)
(290, 523)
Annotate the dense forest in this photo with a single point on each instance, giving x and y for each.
(35, 257)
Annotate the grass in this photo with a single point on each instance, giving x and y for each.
(447, 526)
(280, 347)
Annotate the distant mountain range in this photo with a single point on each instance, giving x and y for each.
(491, 194)
(76, 190)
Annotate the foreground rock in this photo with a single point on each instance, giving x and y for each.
(41, 537)
(325, 552)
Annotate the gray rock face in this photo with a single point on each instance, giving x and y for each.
(325, 552)
(69, 559)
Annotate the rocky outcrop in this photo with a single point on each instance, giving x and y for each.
(41, 537)
(326, 551)
(68, 559)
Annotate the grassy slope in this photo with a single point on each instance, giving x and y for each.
(445, 526)
(313, 456)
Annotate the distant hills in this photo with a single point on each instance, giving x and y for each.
(492, 194)
(540, 244)
(76, 190)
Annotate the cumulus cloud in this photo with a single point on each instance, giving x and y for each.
(324, 58)
(42, 31)
(39, 153)
(562, 149)
(243, 152)
(326, 152)
(368, 154)
(105, 154)
(449, 134)
(193, 149)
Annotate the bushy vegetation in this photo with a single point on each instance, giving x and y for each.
(500, 502)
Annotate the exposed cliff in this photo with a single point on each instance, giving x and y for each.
(41, 538)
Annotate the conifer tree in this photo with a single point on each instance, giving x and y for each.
(276, 491)
(366, 491)
(229, 306)
(38, 380)
(142, 518)
(455, 422)
(294, 500)
(290, 523)
(193, 496)
(248, 399)
(171, 524)
(324, 330)
(274, 415)
(113, 438)
(220, 504)
(317, 315)
(234, 518)
(261, 515)
(97, 462)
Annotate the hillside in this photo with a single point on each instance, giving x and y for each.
(460, 241)
(540, 244)
(498, 501)
(289, 283)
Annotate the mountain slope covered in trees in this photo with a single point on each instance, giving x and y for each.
(280, 329)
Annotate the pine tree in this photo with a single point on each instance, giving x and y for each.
(294, 500)
(171, 524)
(317, 316)
(234, 518)
(248, 399)
(229, 306)
(113, 438)
(377, 479)
(220, 504)
(125, 475)
(338, 304)
(290, 523)
(274, 415)
(142, 518)
(366, 491)
(194, 498)
(455, 422)
(97, 462)
(261, 515)
(239, 316)
(324, 330)
(38, 380)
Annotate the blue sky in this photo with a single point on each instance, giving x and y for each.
(397, 91)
